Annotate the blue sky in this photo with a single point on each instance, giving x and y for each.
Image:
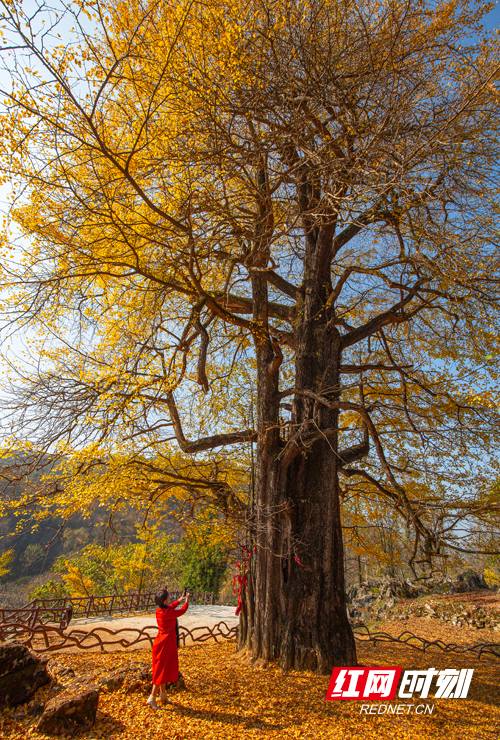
(491, 21)
(493, 18)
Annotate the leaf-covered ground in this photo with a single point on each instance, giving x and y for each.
(227, 699)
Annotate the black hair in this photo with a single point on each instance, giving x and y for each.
(160, 597)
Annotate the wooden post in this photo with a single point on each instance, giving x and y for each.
(32, 619)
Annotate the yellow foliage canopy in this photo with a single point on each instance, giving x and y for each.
(177, 160)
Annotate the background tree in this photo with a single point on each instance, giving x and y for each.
(300, 195)
(5, 561)
(204, 553)
(50, 590)
(32, 558)
(121, 569)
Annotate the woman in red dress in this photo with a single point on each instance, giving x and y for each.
(165, 657)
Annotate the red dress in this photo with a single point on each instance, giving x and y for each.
(165, 657)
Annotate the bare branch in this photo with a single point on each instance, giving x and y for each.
(205, 443)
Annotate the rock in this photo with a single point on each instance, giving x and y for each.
(178, 685)
(411, 591)
(65, 673)
(55, 688)
(59, 670)
(357, 624)
(21, 674)
(36, 708)
(132, 677)
(72, 711)
(351, 594)
(402, 589)
(472, 580)
(112, 681)
(136, 677)
(362, 598)
(14, 656)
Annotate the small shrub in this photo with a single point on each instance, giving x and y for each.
(49, 590)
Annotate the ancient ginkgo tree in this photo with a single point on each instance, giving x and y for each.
(287, 206)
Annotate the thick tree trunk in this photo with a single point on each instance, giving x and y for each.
(300, 609)
(246, 623)
(316, 634)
